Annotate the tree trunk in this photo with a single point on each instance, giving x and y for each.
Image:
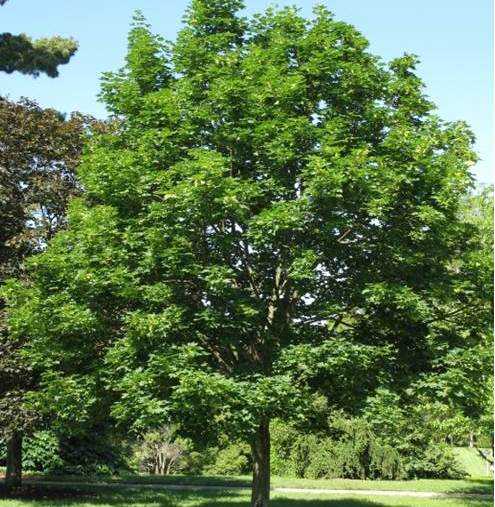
(13, 474)
(472, 441)
(261, 466)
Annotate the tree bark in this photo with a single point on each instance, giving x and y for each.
(13, 474)
(261, 466)
(472, 440)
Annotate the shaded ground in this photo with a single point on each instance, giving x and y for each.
(276, 490)
(479, 485)
(119, 497)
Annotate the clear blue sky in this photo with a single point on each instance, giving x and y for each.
(453, 39)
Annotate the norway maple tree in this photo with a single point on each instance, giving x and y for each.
(277, 214)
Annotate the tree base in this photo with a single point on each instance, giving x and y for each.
(13, 474)
(261, 466)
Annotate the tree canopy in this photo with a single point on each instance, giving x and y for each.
(39, 155)
(277, 215)
(22, 54)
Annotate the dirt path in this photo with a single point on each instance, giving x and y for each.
(185, 487)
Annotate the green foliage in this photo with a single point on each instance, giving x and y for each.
(234, 459)
(348, 449)
(39, 156)
(362, 453)
(364, 447)
(162, 451)
(93, 453)
(437, 461)
(462, 375)
(419, 432)
(42, 452)
(277, 215)
(20, 53)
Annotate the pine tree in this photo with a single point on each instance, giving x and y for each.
(19, 53)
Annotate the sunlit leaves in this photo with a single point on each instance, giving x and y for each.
(276, 214)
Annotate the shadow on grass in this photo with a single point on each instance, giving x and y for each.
(475, 485)
(52, 496)
(85, 496)
(481, 486)
(191, 480)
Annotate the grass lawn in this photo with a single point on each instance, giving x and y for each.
(472, 485)
(471, 461)
(96, 497)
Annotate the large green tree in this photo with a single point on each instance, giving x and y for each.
(277, 214)
(22, 54)
(40, 152)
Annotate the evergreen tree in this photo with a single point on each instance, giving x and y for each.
(20, 53)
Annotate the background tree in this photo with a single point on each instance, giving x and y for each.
(40, 152)
(20, 53)
(160, 452)
(277, 215)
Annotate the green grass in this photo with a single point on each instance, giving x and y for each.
(111, 497)
(478, 485)
(471, 461)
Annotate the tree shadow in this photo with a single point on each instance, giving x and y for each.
(51, 496)
(190, 480)
(336, 502)
(479, 486)
(299, 502)
(74, 496)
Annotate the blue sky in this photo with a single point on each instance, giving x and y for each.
(453, 39)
